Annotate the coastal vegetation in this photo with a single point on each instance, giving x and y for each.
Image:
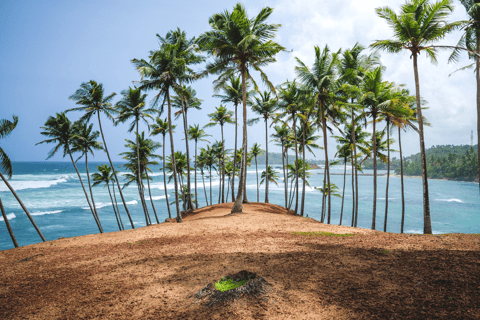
(343, 90)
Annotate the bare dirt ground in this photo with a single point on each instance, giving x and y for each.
(154, 272)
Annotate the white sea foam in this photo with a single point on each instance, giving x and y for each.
(155, 198)
(10, 216)
(99, 205)
(132, 202)
(45, 212)
(450, 200)
(22, 185)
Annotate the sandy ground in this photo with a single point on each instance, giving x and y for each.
(154, 272)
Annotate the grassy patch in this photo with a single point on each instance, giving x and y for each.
(228, 284)
(322, 233)
(386, 251)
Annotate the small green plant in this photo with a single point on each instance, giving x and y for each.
(225, 284)
(322, 233)
(386, 251)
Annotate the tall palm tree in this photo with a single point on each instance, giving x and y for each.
(105, 175)
(185, 99)
(270, 174)
(418, 25)
(132, 106)
(321, 79)
(197, 134)
(6, 127)
(471, 40)
(167, 68)
(92, 100)
(265, 106)
(201, 161)
(221, 116)
(85, 141)
(256, 151)
(208, 159)
(162, 127)
(181, 164)
(59, 130)
(281, 135)
(239, 43)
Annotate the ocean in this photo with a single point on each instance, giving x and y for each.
(52, 193)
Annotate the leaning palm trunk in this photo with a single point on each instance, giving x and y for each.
(116, 204)
(140, 185)
(144, 203)
(296, 163)
(150, 194)
(91, 192)
(427, 223)
(204, 189)
(343, 194)
(114, 172)
(85, 191)
(304, 180)
(113, 206)
(234, 155)
(10, 231)
(355, 167)
(172, 149)
(23, 206)
(401, 180)
(327, 167)
(237, 207)
(165, 180)
(285, 182)
(189, 191)
(388, 177)
(374, 215)
(266, 162)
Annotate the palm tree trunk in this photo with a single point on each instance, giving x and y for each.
(343, 194)
(211, 200)
(234, 156)
(189, 189)
(177, 204)
(116, 204)
(219, 172)
(9, 228)
(327, 166)
(304, 180)
(286, 170)
(354, 137)
(353, 194)
(141, 191)
(113, 206)
(401, 180)
(266, 161)
(245, 200)
(114, 171)
(258, 190)
(388, 176)
(139, 178)
(91, 192)
(427, 222)
(165, 180)
(196, 196)
(204, 189)
(150, 194)
(477, 77)
(285, 182)
(223, 166)
(296, 162)
(237, 207)
(324, 194)
(374, 156)
(85, 191)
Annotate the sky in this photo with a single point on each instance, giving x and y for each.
(48, 48)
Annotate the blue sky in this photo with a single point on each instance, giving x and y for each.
(48, 48)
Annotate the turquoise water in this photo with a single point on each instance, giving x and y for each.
(52, 193)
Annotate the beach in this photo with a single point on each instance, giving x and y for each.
(154, 272)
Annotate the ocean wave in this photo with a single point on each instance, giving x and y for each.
(46, 212)
(22, 185)
(10, 216)
(450, 200)
(99, 205)
(155, 198)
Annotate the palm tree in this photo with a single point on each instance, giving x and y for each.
(221, 116)
(6, 127)
(265, 106)
(92, 100)
(197, 134)
(59, 130)
(270, 174)
(256, 151)
(322, 81)
(185, 99)
(416, 28)
(161, 127)
(167, 68)
(105, 175)
(181, 164)
(85, 141)
(281, 135)
(132, 105)
(207, 158)
(238, 44)
(471, 40)
(201, 161)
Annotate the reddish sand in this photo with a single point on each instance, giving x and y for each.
(153, 272)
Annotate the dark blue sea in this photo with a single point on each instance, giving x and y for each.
(52, 193)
